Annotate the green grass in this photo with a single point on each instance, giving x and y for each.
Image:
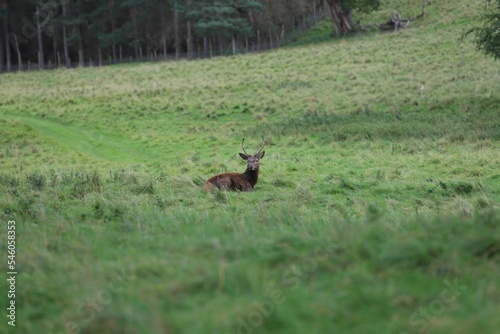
(377, 208)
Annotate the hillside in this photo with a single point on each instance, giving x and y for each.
(376, 211)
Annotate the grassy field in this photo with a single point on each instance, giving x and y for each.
(377, 208)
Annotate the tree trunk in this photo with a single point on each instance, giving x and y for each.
(133, 17)
(8, 61)
(14, 39)
(54, 47)
(348, 16)
(65, 33)
(190, 41)
(258, 40)
(81, 60)
(41, 57)
(18, 51)
(1, 44)
(163, 29)
(341, 18)
(111, 6)
(251, 19)
(177, 41)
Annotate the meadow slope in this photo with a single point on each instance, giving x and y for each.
(377, 210)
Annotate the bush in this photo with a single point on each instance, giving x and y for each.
(487, 37)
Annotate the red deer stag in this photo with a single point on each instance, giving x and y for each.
(237, 181)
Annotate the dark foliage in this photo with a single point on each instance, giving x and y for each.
(487, 36)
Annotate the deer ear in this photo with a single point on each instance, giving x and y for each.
(261, 154)
(244, 156)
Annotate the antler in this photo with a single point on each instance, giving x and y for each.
(263, 144)
(243, 147)
(262, 147)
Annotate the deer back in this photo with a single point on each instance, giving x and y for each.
(229, 181)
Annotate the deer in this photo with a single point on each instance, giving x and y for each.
(245, 181)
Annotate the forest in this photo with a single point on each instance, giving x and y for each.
(54, 33)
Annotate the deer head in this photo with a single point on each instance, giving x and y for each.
(252, 160)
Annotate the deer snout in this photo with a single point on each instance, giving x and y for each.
(253, 166)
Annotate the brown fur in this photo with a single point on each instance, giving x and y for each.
(238, 181)
(229, 181)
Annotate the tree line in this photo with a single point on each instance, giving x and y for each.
(54, 33)
(67, 32)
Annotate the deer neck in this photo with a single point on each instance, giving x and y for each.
(252, 176)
